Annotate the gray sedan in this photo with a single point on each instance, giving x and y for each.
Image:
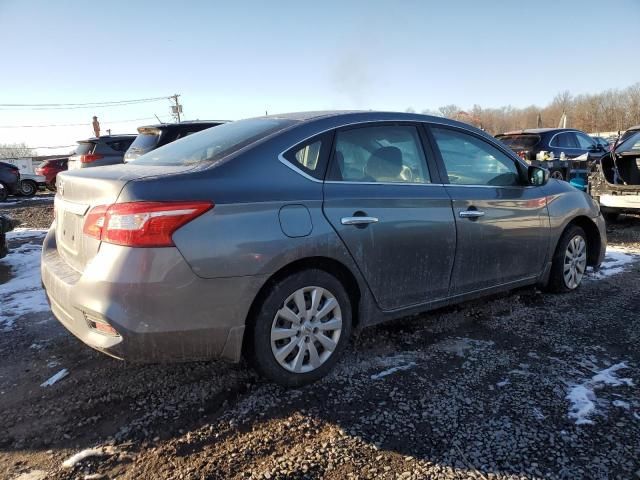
(275, 237)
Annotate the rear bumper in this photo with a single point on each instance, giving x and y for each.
(620, 202)
(160, 308)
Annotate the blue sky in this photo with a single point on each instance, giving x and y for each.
(238, 59)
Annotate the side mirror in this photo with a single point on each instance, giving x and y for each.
(538, 176)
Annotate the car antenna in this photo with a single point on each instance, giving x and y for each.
(159, 121)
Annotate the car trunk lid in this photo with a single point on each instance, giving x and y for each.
(81, 190)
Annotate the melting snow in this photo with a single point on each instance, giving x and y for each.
(23, 293)
(621, 404)
(391, 370)
(58, 376)
(583, 398)
(89, 452)
(616, 261)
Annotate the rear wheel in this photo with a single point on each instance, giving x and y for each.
(301, 328)
(28, 188)
(569, 261)
(4, 192)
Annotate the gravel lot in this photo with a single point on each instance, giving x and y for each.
(523, 385)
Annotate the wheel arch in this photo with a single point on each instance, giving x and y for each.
(329, 265)
(593, 237)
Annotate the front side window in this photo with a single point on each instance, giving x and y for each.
(472, 161)
(381, 154)
(584, 141)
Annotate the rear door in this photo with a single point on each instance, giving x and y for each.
(501, 223)
(382, 196)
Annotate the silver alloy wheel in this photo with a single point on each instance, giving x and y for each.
(575, 262)
(306, 330)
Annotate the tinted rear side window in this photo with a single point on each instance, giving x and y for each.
(214, 143)
(565, 140)
(84, 148)
(519, 142)
(145, 142)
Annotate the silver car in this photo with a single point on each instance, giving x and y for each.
(100, 151)
(275, 237)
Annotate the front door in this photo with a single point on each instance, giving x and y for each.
(501, 223)
(397, 224)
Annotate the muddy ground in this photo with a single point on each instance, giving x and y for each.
(524, 385)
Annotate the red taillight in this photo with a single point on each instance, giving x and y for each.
(141, 224)
(523, 154)
(90, 157)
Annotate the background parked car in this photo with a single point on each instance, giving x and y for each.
(272, 237)
(566, 151)
(50, 169)
(6, 225)
(153, 136)
(614, 181)
(96, 152)
(9, 180)
(603, 142)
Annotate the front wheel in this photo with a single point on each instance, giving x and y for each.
(569, 261)
(4, 192)
(301, 328)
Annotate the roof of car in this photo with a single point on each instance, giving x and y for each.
(631, 129)
(186, 122)
(538, 131)
(108, 137)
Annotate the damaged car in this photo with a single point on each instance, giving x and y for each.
(614, 180)
(274, 238)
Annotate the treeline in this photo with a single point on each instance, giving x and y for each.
(15, 150)
(609, 111)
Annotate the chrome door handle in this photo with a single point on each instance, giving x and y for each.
(471, 214)
(358, 220)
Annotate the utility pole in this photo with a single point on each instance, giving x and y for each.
(176, 109)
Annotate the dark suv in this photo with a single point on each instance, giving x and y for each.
(154, 136)
(556, 147)
(99, 151)
(9, 180)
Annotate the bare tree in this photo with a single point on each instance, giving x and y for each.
(15, 150)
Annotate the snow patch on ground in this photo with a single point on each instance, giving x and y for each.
(58, 376)
(392, 370)
(32, 475)
(583, 399)
(616, 261)
(89, 452)
(23, 293)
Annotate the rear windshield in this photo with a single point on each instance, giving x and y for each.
(214, 143)
(84, 148)
(145, 141)
(519, 142)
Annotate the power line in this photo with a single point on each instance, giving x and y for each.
(111, 122)
(90, 104)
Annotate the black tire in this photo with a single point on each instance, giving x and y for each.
(4, 192)
(28, 188)
(259, 346)
(557, 283)
(51, 186)
(557, 174)
(610, 217)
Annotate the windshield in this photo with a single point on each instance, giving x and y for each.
(519, 142)
(214, 143)
(84, 148)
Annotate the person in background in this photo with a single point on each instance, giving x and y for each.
(96, 126)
